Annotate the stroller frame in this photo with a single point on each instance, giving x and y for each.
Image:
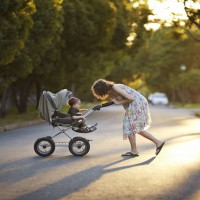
(63, 130)
(78, 146)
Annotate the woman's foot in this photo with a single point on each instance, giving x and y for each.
(134, 151)
(131, 154)
(159, 143)
(159, 147)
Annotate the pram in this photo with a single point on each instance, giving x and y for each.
(49, 106)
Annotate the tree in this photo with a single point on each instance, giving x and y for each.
(16, 22)
(42, 41)
(70, 44)
(15, 25)
(92, 37)
(160, 59)
(136, 17)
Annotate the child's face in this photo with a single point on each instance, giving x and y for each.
(77, 105)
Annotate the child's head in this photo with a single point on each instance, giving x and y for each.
(74, 102)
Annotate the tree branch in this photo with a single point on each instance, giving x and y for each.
(192, 36)
(189, 17)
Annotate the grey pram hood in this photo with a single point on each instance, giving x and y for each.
(50, 102)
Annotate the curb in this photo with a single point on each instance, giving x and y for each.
(20, 125)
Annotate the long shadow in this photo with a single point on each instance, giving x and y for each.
(76, 182)
(181, 136)
(23, 168)
(32, 165)
(27, 167)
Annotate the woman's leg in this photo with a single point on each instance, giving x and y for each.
(151, 137)
(132, 140)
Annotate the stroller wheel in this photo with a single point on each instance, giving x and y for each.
(44, 146)
(79, 146)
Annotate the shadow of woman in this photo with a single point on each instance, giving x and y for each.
(30, 166)
(80, 180)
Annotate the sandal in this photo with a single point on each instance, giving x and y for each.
(159, 148)
(130, 154)
(86, 129)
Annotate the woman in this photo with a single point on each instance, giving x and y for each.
(137, 116)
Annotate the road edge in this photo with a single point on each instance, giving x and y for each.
(9, 127)
(4, 129)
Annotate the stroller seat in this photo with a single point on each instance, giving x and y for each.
(61, 119)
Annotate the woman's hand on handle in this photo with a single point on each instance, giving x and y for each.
(116, 101)
(98, 107)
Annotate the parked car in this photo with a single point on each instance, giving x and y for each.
(158, 98)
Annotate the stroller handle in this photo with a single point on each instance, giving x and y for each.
(107, 104)
(98, 107)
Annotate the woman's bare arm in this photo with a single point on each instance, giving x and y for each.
(127, 97)
(123, 101)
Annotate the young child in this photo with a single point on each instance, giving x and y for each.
(76, 112)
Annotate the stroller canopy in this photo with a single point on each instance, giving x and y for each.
(50, 102)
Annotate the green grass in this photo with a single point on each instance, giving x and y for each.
(12, 117)
(194, 105)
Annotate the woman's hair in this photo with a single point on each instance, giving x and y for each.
(100, 88)
(72, 101)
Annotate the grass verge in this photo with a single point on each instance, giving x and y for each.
(12, 117)
(189, 105)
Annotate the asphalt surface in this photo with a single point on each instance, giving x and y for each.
(103, 174)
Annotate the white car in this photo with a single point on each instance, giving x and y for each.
(158, 98)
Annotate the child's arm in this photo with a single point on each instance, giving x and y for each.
(77, 117)
(82, 110)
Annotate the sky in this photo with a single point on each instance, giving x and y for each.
(167, 10)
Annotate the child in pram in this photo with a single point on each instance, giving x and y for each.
(76, 114)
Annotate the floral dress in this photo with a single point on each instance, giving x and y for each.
(137, 116)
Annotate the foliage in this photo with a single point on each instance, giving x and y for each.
(160, 59)
(94, 33)
(54, 44)
(16, 22)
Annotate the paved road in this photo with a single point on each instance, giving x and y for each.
(103, 173)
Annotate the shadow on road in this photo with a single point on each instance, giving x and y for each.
(30, 166)
(192, 135)
(78, 181)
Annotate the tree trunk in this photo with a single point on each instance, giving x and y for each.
(3, 103)
(73, 88)
(23, 105)
(14, 95)
(38, 92)
(180, 94)
(21, 98)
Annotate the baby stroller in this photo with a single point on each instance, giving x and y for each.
(49, 106)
